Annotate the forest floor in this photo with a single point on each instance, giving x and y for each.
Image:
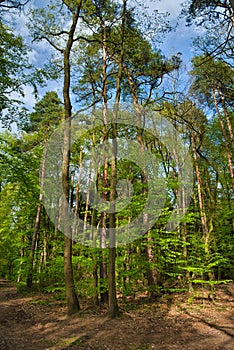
(176, 321)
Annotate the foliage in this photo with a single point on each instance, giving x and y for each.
(217, 18)
(200, 249)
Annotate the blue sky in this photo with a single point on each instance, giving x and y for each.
(175, 41)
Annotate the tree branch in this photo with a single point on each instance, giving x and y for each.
(49, 41)
(12, 5)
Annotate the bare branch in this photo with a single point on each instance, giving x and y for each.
(80, 37)
(57, 34)
(12, 4)
(86, 108)
(41, 37)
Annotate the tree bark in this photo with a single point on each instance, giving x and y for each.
(113, 305)
(230, 165)
(71, 296)
(152, 274)
(103, 269)
(200, 196)
(76, 211)
(37, 220)
(228, 121)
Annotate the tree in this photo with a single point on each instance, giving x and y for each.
(213, 82)
(107, 16)
(17, 199)
(215, 16)
(130, 68)
(46, 26)
(16, 72)
(47, 114)
(12, 4)
(210, 9)
(14, 62)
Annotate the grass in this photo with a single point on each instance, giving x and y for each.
(74, 341)
(39, 302)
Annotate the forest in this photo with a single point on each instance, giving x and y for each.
(119, 182)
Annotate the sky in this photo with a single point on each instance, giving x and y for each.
(179, 40)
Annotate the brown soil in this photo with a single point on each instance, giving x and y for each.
(179, 321)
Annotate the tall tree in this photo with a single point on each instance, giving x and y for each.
(48, 113)
(14, 76)
(46, 26)
(213, 82)
(113, 306)
(18, 192)
(216, 17)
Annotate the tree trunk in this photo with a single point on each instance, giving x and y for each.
(37, 221)
(22, 254)
(206, 232)
(71, 296)
(200, 196)
(76, 211)
(228, 121)
(230, 165)
(95, 281)
(103, 269)
(87, 205)
(183, 227)
(113, 305)
(112, 299)
(152, 274)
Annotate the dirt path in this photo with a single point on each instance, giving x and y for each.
(174, 322)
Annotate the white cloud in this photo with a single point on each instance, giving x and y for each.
(33, 56)
(20, 24)
(171, 6)
(29, 98)
(179, 40)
